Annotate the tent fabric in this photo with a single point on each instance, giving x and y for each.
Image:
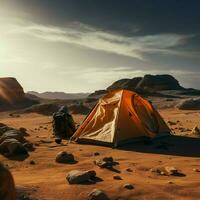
(121, 115)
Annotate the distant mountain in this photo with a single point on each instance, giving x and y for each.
(59, 95)
(147, 85)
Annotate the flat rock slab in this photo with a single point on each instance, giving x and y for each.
(80, 177)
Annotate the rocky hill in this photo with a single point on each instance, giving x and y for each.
(154, 85)
(12, 95)
(148, 83)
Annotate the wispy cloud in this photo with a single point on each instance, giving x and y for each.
(88, 37)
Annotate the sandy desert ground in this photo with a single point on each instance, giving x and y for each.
(46, 179)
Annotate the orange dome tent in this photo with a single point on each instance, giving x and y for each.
(119, 117)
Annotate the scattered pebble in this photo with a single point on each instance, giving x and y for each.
(129, 170)
(128, 186)
(117, 177)
(196, 130)
(64, 157)
(172, 123)
(32, 162)
(196, 170)
(167, 171)
(97, 194)
(106, 162)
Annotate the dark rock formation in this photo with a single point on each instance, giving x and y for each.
(129, 84)
(149, 83)
(155, 83)
(44, 109)
(97, 93)
(79, 109)
(11, 90)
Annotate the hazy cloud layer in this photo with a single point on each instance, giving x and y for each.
(85, 36)
(86, 45)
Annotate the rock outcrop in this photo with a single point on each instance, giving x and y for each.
(129, 84)
(10, 90)
(148, 83)
(12, 95)
(43, 109)
(154, 83)
(13, 142)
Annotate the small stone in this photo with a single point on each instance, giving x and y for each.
(129, 186)
(64, 157)
(28, 146)
(106, 162)
(58, 140)
(117, 177)
(32, 162)
(108, 159)
(171, 123)
(129, 170)
(170, 182)
(162, 173)
(96, 154)
(23, 130)
(100, 163)
(196, 170)
(172, 171)
(97, 194)
(196, 130)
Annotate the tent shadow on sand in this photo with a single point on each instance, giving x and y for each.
(170, 145)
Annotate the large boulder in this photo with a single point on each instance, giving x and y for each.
(12, 147)
(7, 186)
(19, 136)
(80, 177)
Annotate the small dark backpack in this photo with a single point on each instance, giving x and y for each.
(59, 124)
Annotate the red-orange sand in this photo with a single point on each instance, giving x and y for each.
(46, 179)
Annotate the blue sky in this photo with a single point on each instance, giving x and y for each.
(85, 45)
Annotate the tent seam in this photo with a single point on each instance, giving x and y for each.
(117, 120)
